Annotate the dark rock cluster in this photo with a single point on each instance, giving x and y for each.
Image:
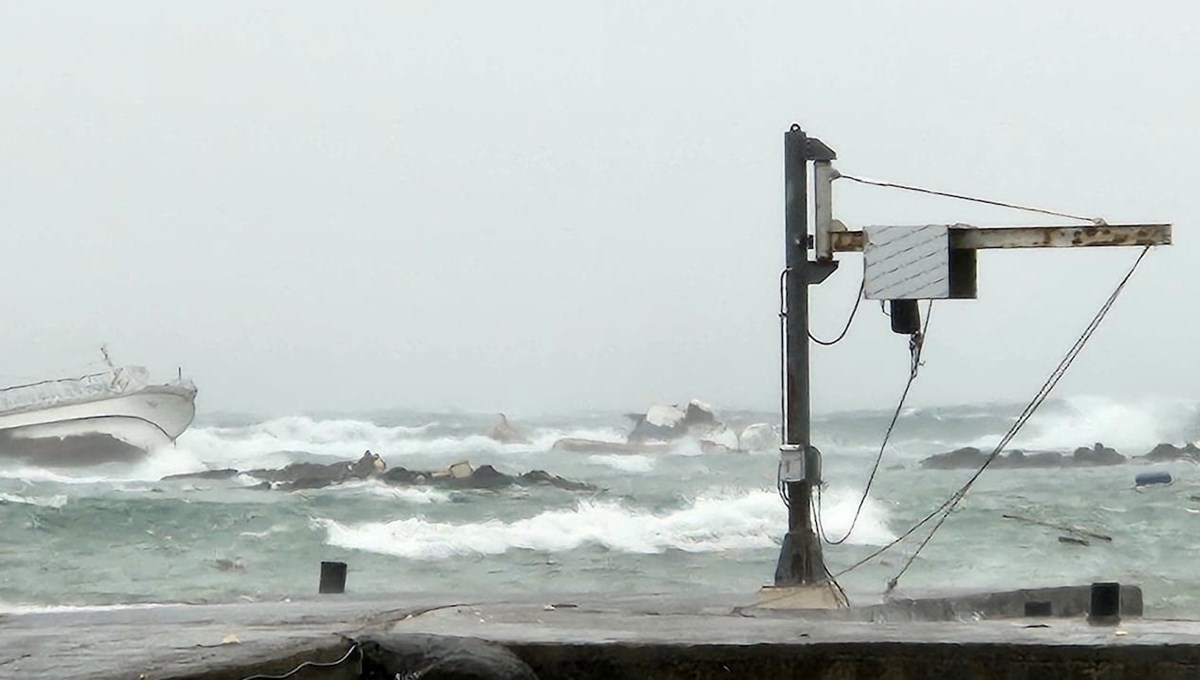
(371, 466)
(1084, 456)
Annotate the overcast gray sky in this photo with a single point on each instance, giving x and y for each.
(562, 205)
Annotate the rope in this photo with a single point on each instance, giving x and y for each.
(964, 197)
(915, 346)
(861, 289)
(308, 664)
(951, 503)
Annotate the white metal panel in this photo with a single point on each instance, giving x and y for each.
(907, 263)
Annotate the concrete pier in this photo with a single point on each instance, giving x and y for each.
(702, 636)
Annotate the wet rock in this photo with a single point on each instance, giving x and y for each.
(971, 457)
(460, 475)
(543, 477)
(484, 477)
(968, 456)
(317, 475)
(1165, 452)
(431, 657)
(1098, 454)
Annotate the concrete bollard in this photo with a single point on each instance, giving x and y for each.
(333, 577)
(1106, 604)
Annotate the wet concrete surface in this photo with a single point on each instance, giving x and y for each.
(236, 640)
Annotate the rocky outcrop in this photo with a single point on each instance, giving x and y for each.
(1084, 456)
(463, 476)
(458, 476)
(317, 475)
(1167, 452)
(971, 457)
(1097, 454)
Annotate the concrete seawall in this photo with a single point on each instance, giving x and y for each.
(710, 636)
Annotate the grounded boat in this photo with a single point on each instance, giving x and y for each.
(112, 416)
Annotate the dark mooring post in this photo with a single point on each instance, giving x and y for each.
(800, 559)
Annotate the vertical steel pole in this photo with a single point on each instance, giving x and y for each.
(800, 559)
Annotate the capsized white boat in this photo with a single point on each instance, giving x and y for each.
(116, 415)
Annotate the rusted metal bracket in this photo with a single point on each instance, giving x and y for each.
(968, 237)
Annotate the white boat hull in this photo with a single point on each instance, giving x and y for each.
(120, 427)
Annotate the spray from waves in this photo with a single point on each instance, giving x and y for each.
(163, 461)
(56, 501)
(278, 442)
(1132, 427)
(838, 505)
(274, 442)
(718, 523)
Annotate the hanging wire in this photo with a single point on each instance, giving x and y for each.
(916, 345)
(1047, 387)
(964, 197)
(862, 287)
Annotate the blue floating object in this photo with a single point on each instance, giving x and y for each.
(1156, 477)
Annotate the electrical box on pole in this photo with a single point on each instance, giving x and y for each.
(901, 265)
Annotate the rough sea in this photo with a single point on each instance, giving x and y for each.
(683, 521)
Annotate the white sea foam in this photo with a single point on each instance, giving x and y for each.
(714, 523)
(56, 501)
(414, 495)
(625, 463)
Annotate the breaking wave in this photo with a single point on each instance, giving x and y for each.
(275, 442)
(1131, 426)
(56, 501)
(718, 523)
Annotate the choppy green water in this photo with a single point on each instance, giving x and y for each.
(664, 523)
